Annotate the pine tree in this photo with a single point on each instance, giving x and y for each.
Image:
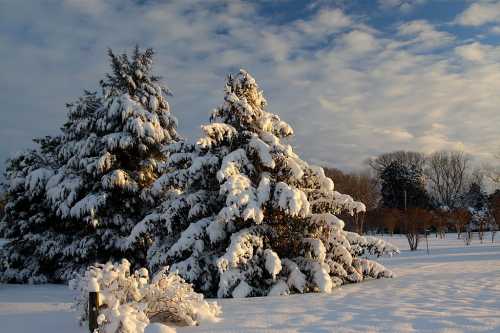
(108, 156)
(28, 224)
(475, 197)
(245, 216)
(476, 201)
(403, 187)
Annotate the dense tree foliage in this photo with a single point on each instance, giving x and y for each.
(75, 199)
(403, 187)
(245, 216)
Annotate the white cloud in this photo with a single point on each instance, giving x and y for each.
(91, 7)
(436, 141)
(396, 134)
(277, 46)
(326, 21)
(479, 52)
(472, 52)
(357, 41)
(359, 93)
(425, 35)
(479, 13)
(402, 5)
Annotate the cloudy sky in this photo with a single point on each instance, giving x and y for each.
(354, 78)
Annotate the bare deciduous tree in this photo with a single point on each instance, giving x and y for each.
(447, 172)
(391, 217)
(482, 223)
(362, 187)
(477, 177)
(494, 206)
(493, 171)
(460, 217)
(440, 218)
(415, 223)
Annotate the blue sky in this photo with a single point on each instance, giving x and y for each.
(354, 78)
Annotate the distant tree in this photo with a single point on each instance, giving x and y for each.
(373, 221)
(403, 189)
(391, 218)
(440, 218)
(363, 187)
(447, 174)
(415, 223)
(476, 201)
(493, 170)
(409, 159)
(475, 197)
(483, 222)
(460, 217)
(477, 176)
(403, 186)
(494, 207)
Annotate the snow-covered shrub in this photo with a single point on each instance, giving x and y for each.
(129, 302)
(243, 215)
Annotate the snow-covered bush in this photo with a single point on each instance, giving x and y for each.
(129, 302)
(243, 215)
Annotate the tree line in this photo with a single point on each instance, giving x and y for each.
(413, 193)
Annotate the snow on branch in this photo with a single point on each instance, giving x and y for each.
(88, 206)
(232, 163)
(240, 250)
(119, 179)
(37, 179)
(190, 238)
(369, 245)
(291, 200)
(263, 151)
(215, 134)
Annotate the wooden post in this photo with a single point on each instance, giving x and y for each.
(426, 240)
(93, 310)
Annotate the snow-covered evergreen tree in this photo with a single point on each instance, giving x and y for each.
(112, 151)
(474, 198)
(476, 201)
(28, 224)
(108, 156)
(247, 217)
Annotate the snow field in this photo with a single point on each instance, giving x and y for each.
(454, 289)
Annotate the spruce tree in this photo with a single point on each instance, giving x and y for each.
(28, 224)
(403, 187)
(475, 200)
(243, 215)
(108, 156)
(475, 197)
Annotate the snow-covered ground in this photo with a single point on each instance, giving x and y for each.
(454, 289)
